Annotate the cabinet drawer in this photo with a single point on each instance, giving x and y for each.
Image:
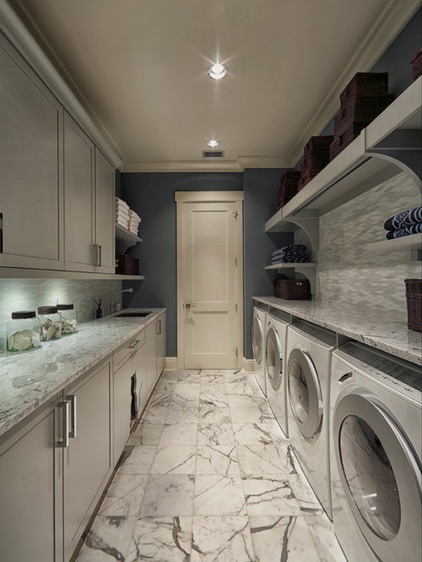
(126, 351)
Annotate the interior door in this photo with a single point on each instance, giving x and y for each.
(209, 286)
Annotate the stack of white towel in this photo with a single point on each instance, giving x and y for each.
(134, 220)
(125, 217)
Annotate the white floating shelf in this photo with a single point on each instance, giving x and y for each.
(412, 242)
(295, 265)
(126, 235)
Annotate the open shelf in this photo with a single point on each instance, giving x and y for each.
(21, 273)
(412, 242)
(292, 265)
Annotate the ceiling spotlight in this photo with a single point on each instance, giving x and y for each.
(217, 71)
(213, 143)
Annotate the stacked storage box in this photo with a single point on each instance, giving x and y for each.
(288, 187)
(363, 99)
(417, 65)
(315, 157)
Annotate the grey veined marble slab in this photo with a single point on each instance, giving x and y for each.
(30, 379)
(373, 326)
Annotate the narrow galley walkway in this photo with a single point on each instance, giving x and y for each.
(208, 476)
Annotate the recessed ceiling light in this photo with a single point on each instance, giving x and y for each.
(217, 71)
(213, 143)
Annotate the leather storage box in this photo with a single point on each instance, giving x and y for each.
(127, 265)
(417, 65)
(292, 289)
(373, 84)
(288, 187)
(316, 156)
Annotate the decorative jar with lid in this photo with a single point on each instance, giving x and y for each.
(68, 316)
(23, 331)
(51, 323)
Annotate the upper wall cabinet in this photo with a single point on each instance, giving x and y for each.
(31, 168)
(89, 203)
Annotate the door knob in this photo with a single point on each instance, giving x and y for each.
(189, 305)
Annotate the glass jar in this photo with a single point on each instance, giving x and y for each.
(50, 323)
(69, 321)
(23, 331)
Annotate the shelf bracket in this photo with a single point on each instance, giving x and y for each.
(310, 225)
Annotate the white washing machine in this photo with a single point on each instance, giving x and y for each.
(376, 455)
(275, 365)
(309, 350)
(258, 344)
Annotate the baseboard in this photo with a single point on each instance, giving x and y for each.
(171, 364)
(248, 365)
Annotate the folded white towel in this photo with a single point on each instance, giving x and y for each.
(122, 214)
(134, 215)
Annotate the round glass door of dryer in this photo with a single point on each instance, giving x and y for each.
(380, 477)
(304, 393)
(257, 339)
(273, 359)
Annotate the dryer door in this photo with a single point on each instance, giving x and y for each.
(380, 475)
(273, 358)
(304, 393)
(257, 339)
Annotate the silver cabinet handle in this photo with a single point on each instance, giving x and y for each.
(158, 328)
(72, 399)
(99, 254)
(63, 440)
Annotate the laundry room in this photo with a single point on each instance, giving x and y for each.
(210, 281)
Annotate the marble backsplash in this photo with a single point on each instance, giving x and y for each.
(351, 274)
(29, 294)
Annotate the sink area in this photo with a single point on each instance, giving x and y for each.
(133, 314)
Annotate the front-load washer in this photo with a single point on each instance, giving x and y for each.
(275, 365)
(309, 350)
(258, 344)
(376, 455)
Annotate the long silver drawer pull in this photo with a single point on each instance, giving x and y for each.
(72, 399)
(63, 440)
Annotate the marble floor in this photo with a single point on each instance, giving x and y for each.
(208, 476)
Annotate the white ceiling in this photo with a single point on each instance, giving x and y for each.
(139, 67)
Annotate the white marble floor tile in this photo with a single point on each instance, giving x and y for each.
(183, 410)
(256, 460)
(217, 459)
(161, 539)
(124, 497)
(179, 434)
(174, 459)
(138, 460)
(270, 495)
(215, 433)
(187, 389)
(218, 495)
(248, 409)
(146, 434)
(222, 539)
(168, 494)
(255, 434)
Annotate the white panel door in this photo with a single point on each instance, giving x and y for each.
(210, 284)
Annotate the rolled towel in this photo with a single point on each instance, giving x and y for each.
(404, 219)
(406, 231)
(294, 253)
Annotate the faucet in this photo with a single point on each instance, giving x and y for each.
(117, 306)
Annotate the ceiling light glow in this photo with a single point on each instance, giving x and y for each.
(213, 143)
(217, 71)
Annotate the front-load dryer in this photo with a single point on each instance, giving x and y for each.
(275, 365)
(258, 344)
(376, 455)
(309, 350)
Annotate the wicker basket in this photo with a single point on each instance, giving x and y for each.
(288, 187)
(127, 265)
(414, 304)
(417, 65)
(292, 289)
(365, 84)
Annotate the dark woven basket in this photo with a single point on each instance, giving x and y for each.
(417, 65)
(127, 265)
(292, 289)
(414, 304)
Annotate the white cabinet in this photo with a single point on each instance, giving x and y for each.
(30, 491)
(31, 194)
(128, 383)
(89, 203)
(87, 462)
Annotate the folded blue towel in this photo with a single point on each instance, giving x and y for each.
(406, 231)
(403, 219)
(294, 253)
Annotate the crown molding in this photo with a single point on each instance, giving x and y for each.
(222, 165)
(389, 24)
(16, 32)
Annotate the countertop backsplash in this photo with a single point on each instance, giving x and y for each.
(29, 294)
(347, 271)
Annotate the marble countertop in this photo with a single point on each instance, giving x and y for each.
(29, 379)
(372, 327)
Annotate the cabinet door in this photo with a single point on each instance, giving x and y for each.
(122, 398)
(161, 344)
(30, 483)
(87, 460)
(79, 198)
(104, 214)
(31, 193)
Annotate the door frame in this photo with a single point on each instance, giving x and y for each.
(182, 197)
